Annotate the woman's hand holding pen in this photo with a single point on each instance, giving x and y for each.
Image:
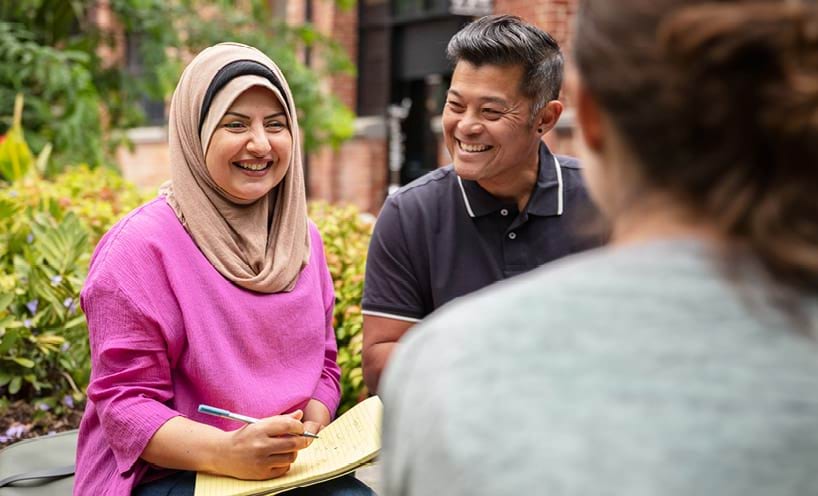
(262, 449)
(265, 449)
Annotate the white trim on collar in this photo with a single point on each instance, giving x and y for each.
(558, 168)
(560, 191)
(466, 198)
(389, 316)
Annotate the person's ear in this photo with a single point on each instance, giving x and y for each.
(589, 118)
(548, 116)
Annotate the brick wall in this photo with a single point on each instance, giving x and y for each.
(345, 33)
(552, 16)
(355, 172)
(342, 27)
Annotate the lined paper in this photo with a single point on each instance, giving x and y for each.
(352, 440)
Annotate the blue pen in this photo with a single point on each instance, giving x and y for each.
(218, 412)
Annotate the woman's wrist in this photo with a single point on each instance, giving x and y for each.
(219, 443)
(317, 412)
(184, 444)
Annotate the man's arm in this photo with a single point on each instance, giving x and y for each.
(381, 334)
(393, 298)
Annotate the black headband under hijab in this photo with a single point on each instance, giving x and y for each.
(233, 70)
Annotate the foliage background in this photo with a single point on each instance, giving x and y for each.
(52, 51)
(346, 239)
(47, 232)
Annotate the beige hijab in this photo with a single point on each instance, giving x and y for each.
(260, 245)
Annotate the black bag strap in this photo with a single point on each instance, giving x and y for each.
(47, 475)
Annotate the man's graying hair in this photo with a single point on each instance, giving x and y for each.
(509, 41)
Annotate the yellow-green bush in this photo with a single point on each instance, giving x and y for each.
(47, 232)
(346, 238)
(48, 229)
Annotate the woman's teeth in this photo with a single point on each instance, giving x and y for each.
(472, 148)
(252, 166)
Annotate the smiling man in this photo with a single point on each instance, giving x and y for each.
(504, 206)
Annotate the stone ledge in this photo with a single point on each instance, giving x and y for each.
(148, 135)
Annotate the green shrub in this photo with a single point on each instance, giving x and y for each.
(47, 233)
(82, 94)
(99, 197)
(346, 239)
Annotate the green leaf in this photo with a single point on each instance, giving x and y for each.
(5, 300)
(15, 156)
(8, 208)
(42, 159)
(10, 338)
(14, 386)
(25, 362)
(60, 245)
(75, 322)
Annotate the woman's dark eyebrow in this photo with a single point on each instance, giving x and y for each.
(230, 112)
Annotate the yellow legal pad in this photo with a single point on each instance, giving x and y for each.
(352, 440)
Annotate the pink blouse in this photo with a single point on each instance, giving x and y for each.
(168, 332)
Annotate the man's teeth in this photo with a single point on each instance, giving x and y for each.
(473, 148)
(253, 166)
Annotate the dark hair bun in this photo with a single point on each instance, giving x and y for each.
(772, 43)
(728, 93)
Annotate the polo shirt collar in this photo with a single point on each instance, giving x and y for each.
(545, 200)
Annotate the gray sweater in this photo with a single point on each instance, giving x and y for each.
(639, 371)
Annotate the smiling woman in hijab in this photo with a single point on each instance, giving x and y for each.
(216, 292)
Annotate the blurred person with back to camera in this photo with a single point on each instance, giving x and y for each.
(688, 362)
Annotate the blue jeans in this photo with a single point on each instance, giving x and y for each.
(183, 483)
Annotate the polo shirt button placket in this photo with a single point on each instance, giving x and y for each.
(504, 212)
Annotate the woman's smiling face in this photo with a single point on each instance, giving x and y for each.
(250, 150)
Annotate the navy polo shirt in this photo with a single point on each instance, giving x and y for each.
(441, 237)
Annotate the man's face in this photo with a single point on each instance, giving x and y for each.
(487, 123)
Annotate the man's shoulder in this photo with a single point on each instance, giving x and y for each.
(426, 188)
(568, 162)
(571, 171)
(419, 206)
